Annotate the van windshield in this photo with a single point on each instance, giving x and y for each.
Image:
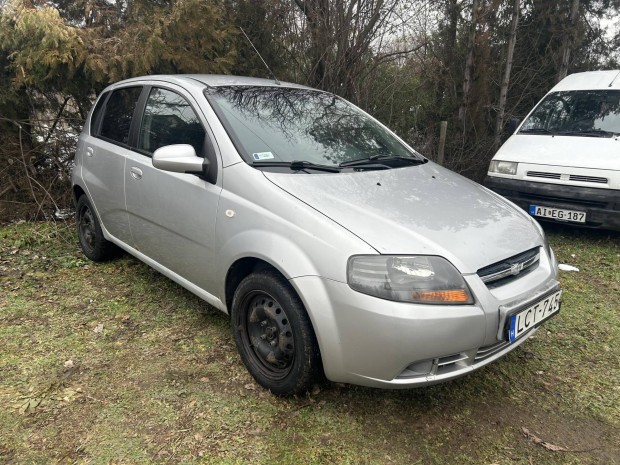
(278, 124)
(594, 113)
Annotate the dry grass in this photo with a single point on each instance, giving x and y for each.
(114, 363)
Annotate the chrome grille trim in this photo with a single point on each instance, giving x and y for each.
(489, 351)
(542, 174)
(512, 267)
(443, 361)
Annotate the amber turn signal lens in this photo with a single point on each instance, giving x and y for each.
(460, 296)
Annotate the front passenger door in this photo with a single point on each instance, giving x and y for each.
(171, 215)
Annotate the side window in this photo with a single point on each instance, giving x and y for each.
(94, 119)
(169, 119)
(118, 113)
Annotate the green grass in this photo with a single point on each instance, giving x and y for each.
(113, 363)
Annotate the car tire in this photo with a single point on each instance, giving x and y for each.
(274, 335)
(90, 235)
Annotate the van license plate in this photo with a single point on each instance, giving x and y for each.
(558, 214)
(532, 316)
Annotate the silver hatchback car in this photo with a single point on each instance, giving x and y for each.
(335, 248)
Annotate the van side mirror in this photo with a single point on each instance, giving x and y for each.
(513, 124)
(180, 158)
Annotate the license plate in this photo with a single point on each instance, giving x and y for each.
(558, 214)
(532, 316)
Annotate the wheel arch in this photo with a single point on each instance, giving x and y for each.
(242, 268)
(77, 193)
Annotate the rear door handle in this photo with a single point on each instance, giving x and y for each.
(90, 151)
(136, 172)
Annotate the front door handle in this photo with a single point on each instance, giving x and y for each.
(136, 172)
(90, 151)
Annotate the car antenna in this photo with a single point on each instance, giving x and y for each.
(261, 58)
(612, 81)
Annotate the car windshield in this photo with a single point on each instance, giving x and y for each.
(576, 113)
(279, 124)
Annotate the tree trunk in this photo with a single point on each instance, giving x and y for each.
(503, 92)
(469, 63)
(316, 13)
(448, 59)
(567, 40)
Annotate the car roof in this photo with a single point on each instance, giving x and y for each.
(212, 80)
(591, 80)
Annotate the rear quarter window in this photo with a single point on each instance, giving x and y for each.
(95, 117)
(119, 111)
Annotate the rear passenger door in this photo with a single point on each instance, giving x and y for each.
(104, 152)
(171, 215)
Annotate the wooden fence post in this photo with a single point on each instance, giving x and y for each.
(443, 129)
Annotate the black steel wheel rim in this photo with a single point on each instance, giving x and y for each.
(87, 229)
(266, 330)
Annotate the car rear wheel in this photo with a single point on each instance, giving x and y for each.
(274, 335)
(92, 242)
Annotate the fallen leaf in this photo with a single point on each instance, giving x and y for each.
(69, 364)
(98, 329)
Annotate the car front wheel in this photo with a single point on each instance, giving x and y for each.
(274, 335)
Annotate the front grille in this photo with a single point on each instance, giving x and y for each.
(488, 351)
(594, 179)
(512, 268)
(572, 177)
(542, 174)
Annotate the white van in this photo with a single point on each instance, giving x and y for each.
(563, 162)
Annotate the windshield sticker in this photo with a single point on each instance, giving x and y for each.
(263, 156)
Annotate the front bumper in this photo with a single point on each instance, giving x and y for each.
(602, 206)
(373, 342)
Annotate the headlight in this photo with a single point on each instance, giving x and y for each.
(503, 167)
(420, 279)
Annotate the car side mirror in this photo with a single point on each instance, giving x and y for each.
(180, 158)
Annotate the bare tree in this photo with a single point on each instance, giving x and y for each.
(469, 63)
(503, 92)
(567, 40)
(343, 39)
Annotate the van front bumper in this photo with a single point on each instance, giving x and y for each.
(602, 206)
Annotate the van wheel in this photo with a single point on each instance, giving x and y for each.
(274, 335)
(92, 242)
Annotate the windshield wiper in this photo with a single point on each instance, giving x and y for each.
(535, 131)
(383, 160)
(588, 133)
(298, 165)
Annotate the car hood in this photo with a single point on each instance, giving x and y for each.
(570, 151)
(423, 209)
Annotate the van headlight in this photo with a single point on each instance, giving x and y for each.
(503, 167)
(420, 279)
